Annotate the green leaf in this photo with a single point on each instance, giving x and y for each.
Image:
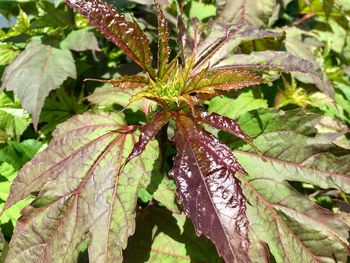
(35, 72)
(108, 95)
(86, 194)
(80, 40)
(59, 108)
(7, 174)
(13, 119)
(164, 237)
(234, 107)
(278, 214)
(7, 53)
(18, 153)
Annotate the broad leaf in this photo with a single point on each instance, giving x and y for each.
(13, 119)
(80, 40)
(84, 192)
(306, 71)
(278, 214)
(19, 153)
(125, 34)
(59, 108)
(35, 72)
(204, 171)
(234, 107)
(8, 53)
(164, 237)
(256, 13)
(108, 95)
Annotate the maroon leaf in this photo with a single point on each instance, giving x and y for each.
(221, 123)
(148, 131)
(125, 34)
(204, 170)
(163, 41)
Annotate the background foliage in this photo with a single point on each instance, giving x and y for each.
(300, 122)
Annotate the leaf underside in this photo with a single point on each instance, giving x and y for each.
(212, 197)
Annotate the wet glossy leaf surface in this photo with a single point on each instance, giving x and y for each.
(279, 215)
(125, 34)
(204, 172)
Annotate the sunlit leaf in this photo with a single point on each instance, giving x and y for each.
(163, 41)
(85, 193)
(80, 40)
(35, 72)
(303, 69)
(125, 34)
(204, 172)
(222, 80)
(255, 13)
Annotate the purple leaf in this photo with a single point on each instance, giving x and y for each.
(148, 132)
(221, 123)
(125, 34)
(204, 170)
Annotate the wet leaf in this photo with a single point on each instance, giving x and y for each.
(148, 132)
(278, 214)
(127, 35)
(35, 72)
(204, 172)
(222, 123)
(81, 183)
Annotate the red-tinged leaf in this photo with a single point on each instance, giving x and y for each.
(222, 41)
(125, 34)
(84, 192)
(222, 80)
(221, 123)
(305, 70)
(224, 123)
(204, 170)
(163, 42)
(125, 82)
(148, 132)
